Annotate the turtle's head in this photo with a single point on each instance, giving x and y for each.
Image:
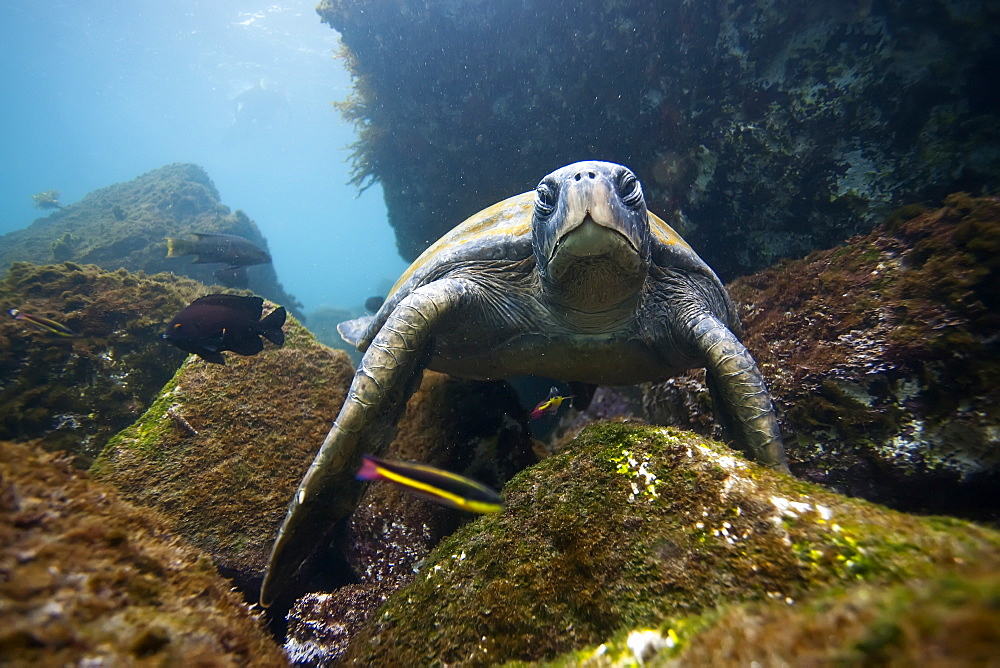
(590, 233)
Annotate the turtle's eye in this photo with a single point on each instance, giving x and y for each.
(545, 200)
(629, 189)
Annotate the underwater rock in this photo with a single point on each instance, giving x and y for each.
(947, 620)
(637, 528)
(321, 625)
(75, 392)
(222, 448)
(125, 226)
(759, 130)
(88, 579)
(472, 428)
(882, 357)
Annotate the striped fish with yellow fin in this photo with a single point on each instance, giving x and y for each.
(438, 485)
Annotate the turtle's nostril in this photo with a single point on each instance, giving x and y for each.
(592, 175)
(577, 177)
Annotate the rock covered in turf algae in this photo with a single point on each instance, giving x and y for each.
(76, 392)
(882, 356)
(91, 580)
(258, 421)
(949, 620)
(126, 225)
(633, 527)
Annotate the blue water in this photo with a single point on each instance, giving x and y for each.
(99, 92)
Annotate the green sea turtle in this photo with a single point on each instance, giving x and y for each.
(575, 281)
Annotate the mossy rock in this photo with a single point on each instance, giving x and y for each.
(125, 225)
(90, 579)
(882, 358)
(74, 393)
(222, 449)
(638, 527)
(951, 619)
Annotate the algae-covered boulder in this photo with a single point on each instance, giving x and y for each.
(125, 226)
(882, 356)
(222, 449)
(950, 619)
(88, 579)
(76, 392)
(635, 527)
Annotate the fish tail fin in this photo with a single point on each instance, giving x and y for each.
(271, 326)
(177, 247)
(368, 470)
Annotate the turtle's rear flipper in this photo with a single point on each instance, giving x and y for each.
(352, 331)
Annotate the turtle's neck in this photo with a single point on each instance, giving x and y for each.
(593, 295)
(592, 282)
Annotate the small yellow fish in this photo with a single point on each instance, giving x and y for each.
(550, 404)
(444, 487)
(44, 324)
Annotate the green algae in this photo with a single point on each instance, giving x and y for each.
(952, 618)
(637, 527)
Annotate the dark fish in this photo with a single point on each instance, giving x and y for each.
(444, 487)
(225, 322)
(44, 324)
(373, 304)
(226, 248)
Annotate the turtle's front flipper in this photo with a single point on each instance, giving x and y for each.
(388, 374)
(739, 392)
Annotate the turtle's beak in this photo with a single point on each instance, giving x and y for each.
(590, 217)
(594, 222)
(589, 238)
